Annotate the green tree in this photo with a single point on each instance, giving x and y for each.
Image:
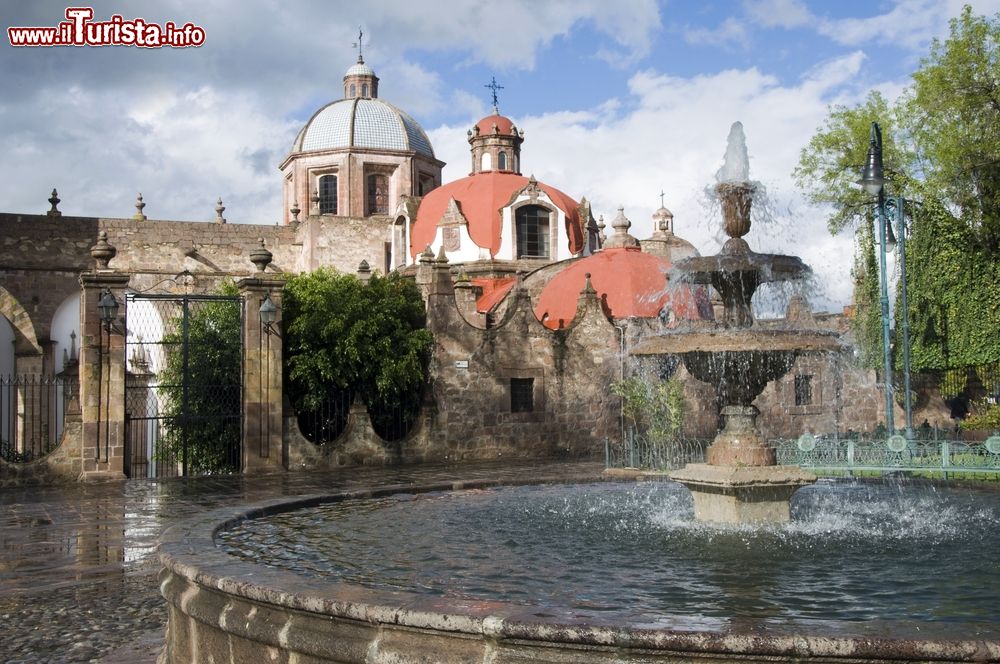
(203, 391)
(370, 340)
(941, 147)
(655, 410)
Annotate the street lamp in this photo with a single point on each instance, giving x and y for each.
(873, 181)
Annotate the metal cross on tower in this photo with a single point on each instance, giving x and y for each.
(494, 86)
(662, 194)
(357, 44)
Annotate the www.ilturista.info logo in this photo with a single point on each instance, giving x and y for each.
(79, 30)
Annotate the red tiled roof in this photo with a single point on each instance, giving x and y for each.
(494, 290)
(633, 282)
(481, 196)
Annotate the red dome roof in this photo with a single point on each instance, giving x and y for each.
(504, 124)
(481, 197)
(632, 283)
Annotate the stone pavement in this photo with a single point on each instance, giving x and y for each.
(78, 564)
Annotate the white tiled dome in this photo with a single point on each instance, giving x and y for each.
(362, 123)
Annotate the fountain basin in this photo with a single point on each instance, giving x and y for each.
(227, 608)
(742, 494)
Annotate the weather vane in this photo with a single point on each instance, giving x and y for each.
(357, 44)
(494, 86)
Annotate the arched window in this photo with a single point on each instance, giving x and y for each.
(487, 162)
(364, 89)
(378, 194)
(532, 229)
(354, 91)
(328, 194)
(502, 161)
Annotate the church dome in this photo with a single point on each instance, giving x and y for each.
(495, 123)
(631, 283)
(362, 123)
(360, 68)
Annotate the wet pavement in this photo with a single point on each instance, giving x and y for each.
(78, 562)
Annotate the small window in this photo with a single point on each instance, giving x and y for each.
(803, 390)
(328, 194)
(502, 161)
(532, 229)
(486, 164)
(522, 395)
(364, 89)
(378, 194)
(354, 91)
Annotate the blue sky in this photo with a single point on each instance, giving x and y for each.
(619, 100)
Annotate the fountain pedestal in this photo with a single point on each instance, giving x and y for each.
(741, 483)
(742, 494)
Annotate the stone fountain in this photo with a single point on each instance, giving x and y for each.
(740, 481)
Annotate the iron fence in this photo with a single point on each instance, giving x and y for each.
(32, 408)
(834, 455)
(326, 423)
(638, 451)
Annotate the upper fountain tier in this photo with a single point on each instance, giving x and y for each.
(737, 271)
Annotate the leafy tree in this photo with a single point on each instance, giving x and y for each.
(206, 415)
(941, 147)
(656, 410)
(370, 340)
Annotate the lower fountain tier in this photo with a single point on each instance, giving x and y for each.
(742, 494)
(738, 341)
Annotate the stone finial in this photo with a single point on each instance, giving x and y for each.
(260, 256)
(103, 252)
(799, 314)
(588, 287)
(427, 256)
(621, 238)
(54, 201)
(442, 257)
(219, 209)
(295, 212)
(72, 346)
(139, 205)
(314, 208)
(600, 229)
(364, 272)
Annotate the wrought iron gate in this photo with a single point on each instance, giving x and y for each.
(183, 386)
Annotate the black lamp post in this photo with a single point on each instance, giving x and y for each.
(873, 182)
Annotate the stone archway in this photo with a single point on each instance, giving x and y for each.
(25, 339)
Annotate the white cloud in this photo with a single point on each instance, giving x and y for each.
(731, 32)
(909, 23)
(778, 13)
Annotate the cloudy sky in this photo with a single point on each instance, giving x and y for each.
(619, 100)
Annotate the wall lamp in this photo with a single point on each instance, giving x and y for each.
(268, 315)
(108, 308)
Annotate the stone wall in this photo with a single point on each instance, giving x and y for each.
(474, 372)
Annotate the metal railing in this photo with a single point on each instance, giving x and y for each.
(832, 455)
(639, 451)
(32, 408)
(326, 422)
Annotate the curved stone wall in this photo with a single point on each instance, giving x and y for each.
(223, 609)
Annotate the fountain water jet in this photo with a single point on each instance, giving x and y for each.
(740, 483)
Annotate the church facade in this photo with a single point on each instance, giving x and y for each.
(533, 302)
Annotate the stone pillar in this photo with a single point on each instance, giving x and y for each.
(102, 377)
(263, 449)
